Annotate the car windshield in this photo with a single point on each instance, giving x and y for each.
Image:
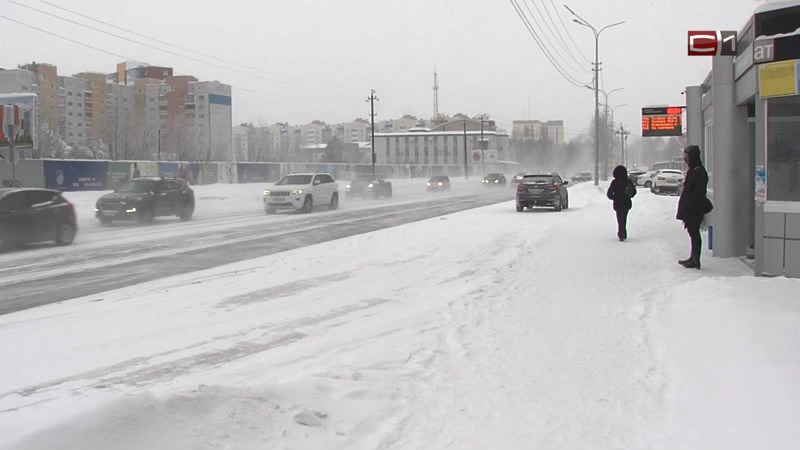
(136, 186)
(538, 179)
(295, 180)
(439, 179)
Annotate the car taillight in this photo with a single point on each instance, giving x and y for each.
(521, 187)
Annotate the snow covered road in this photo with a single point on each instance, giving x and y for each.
(484, 328)
(108, 258)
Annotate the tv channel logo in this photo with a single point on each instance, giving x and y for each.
(712, 43)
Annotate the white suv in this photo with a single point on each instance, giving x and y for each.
(301, 192)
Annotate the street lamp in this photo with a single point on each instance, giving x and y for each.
(581, 21)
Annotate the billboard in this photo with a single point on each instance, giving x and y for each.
(18, 118)
(75, 175)
(779, 79)
(662, 121)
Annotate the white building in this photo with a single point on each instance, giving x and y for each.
(209, 126)
(16, 81)
(535, 130)
(438, 147)
(241, 143)
(121, 133)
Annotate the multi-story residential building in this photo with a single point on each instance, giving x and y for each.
(209, 121)
(355, 131)
(121, 131)
(95, 100)
(315, 133)
(130, 71)
(74, 128)
(243, 142)
(50, 99)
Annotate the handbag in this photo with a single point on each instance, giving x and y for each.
(706, 206)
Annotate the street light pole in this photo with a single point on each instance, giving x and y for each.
(581, 21)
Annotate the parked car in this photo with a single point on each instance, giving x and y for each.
(542, 190)
(495, 179)
(646, 179)
(667, 180)
(30, 215)
(302, 192)
(143, 199)
(635, 174)
(438, 183)
(582, 176)
(369, 186)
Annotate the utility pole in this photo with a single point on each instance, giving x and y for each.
(371, 99)
(483, 156)
(596, 69)
(466, 168)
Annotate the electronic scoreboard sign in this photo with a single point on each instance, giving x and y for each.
(662, 121)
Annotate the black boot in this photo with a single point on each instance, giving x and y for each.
(686, 261)
(693, 264)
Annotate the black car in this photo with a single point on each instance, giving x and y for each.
(438, 183)
(582, 176)
(542, 190)
(495, 179)
(369, 187)
(36, 215)
(143, 199)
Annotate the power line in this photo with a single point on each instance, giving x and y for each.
(569, 35)
(65, 38)
(558, 33)
(83, 44)
(544, 50)
(543, 32)
(144, 43)
(258, 69)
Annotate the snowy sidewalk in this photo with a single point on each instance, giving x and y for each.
(483, 329)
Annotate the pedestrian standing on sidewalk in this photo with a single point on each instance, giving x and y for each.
(621, 190)
(693, 204)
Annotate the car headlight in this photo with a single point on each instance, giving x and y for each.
(347, 186)
(297, 191)
(427, 184)
(371, 186)
(130, 210)
(496, 181)
(96, 209)
(266, 193)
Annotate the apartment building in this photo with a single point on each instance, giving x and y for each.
(73, 128)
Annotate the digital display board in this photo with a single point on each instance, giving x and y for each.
(662, 121)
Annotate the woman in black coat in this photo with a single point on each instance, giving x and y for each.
(621, 190)
(693, 202)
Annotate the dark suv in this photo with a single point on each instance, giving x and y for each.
(438, 183)
(36, 215)
(495, 179)
(542, 190)
(142, 199)
(369, 186)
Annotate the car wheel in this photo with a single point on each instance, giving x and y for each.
(65, 234)
(519, 207)
(334, 205)
(146, 216)
(566, 203)
(308, 205)
(186, 212)
(389, 192)
(648, 184)
(558, 205)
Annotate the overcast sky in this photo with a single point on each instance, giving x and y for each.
(318, 59)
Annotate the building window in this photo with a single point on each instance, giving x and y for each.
(24, 88)
(80, 134)
(445, 149)
(455, 149)
(388, 149)
(416, 150)
(397, 149)
(69, 92)
(80, 114)
(69, 113)
(425, 148)
(69, 103)
(407, 149)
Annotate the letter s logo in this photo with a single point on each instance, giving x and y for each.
(703, 43)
